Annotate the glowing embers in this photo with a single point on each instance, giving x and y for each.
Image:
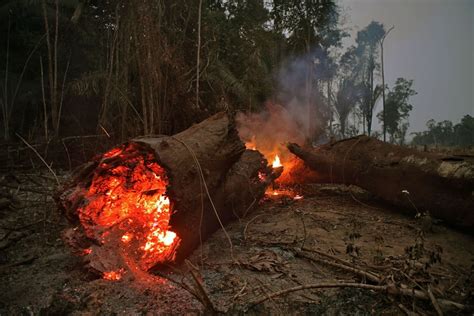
(276, 192)
(113, 275)
(128, 211)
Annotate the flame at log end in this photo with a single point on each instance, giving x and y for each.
(276, 162)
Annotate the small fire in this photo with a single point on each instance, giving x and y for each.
(279, 156)
(276, 162)
(113, 275)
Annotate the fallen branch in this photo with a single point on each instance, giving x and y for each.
(368, 275)
(248, 223)
(389, 289)
(342, 261)
(18, 263)
(422, 295)
(318, 286)
(434, 302)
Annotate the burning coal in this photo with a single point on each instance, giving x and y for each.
(128, 208)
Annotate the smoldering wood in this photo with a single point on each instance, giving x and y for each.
(230, 172)
(417, 181)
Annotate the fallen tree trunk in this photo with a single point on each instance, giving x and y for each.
(442, 185)
(211, 180)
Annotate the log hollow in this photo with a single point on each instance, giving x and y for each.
(209, 171)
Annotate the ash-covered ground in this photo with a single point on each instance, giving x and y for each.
(284, 244)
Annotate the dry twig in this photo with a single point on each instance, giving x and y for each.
(434, 302)
(41, 158)
(18, 263)
(248, 223)
(200, 287)
(368, 275)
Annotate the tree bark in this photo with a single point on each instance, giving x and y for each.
(232, 175)
(442, 185)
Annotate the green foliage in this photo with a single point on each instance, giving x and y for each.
(308, 25)
(445, 133)
(347, 96)
(397, 110)
(367, 50)
(311, 33)
(132, 65)
(368, 39)
(135, 63)
(243, 54)
(359, 63)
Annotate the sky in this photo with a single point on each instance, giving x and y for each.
(432, 43)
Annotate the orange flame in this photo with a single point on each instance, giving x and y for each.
(276, 162)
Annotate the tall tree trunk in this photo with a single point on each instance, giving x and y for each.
(383, 94)
(54, 105)
(5, 109)
(370, 108)
(198, 54)
(50, 65)
(330, 106)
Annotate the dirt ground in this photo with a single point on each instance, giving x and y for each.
(283, 244)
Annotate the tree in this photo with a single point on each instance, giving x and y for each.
(28, 28)
(245, 53)
(347, 97)
(367, 51)
(397, 110)
(312, 29)
(464, 131)
(446, 134)
(383, 80)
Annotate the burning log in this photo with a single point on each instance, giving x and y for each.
(152, 200)
(441, 185)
